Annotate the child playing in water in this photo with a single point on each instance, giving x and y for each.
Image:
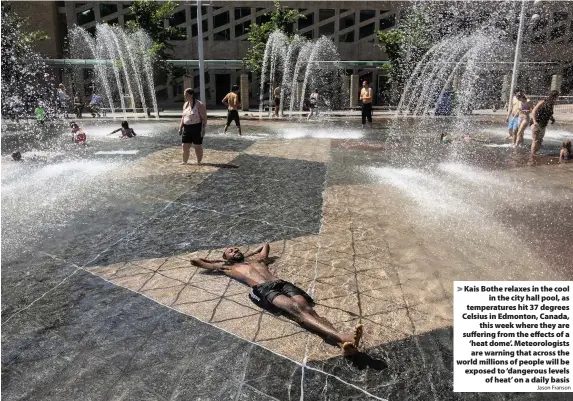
(566, 153)
(78, 134)
(126, 132)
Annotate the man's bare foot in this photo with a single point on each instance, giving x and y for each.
(349, 348)
(358, 331)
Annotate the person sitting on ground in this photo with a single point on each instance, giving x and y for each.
(78, 134)
(313, 103)
(17, 156)
(126, 132)
(276, 295)
(232, 103)
(566, 153)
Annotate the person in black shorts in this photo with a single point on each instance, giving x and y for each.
(192, 126)
(232, 103)
(278, 296)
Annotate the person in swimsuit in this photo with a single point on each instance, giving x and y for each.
(313, 104)
(192, 126)
(277, 96)
(366, 98)
(276, 295)
(524, 106)
(565, 154)
(232, 103)
(126, 132)
(513, 114)
(542, 114)
(78, 134)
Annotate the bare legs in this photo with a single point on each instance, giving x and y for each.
(186, 147)
(198, 152)
(518, 137)
(186, 150)
(299, 309)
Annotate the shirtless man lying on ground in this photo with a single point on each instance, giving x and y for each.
(272, 293)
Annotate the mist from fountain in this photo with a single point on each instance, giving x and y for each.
(122, 55)
(301, 63)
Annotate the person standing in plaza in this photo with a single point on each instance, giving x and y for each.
(192, 126)
(513, 114)
(366, 99)
(63, 100)
(313, 103)
(542, 114)
(232, 103)
(525, 106)
(277, 96)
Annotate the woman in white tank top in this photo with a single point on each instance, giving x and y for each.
(192, 126)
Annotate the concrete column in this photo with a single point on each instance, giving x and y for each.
(244, 86)
(556, 81)
(211, 93)
(505, 88)
(354, 90)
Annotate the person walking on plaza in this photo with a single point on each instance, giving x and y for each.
(63, 100)
(524, 106)
(232, 103)
(313, 103)
(542, 114)
(277, 96)
(513, 114)
(192, 126)
(366, 99)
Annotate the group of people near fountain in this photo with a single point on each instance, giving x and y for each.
(523, 114)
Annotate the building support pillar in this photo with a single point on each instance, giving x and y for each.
(244, 87)
(556, 81)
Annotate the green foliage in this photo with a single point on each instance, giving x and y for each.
(406, 44)
(150, 16)
(279, 19)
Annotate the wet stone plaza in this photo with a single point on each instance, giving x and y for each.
(100, 300)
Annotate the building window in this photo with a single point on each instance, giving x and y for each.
(306, 22)
(325, 14)
(178, 89)
(326, 30)
(308, 35)
(388, 22)
(92, 31)
(242, 29)
(366, 30)
(558, 32)
(366, 15)
(78, 5)
(196, 82)
(382, 12)
(107, 9)
(560, 16)
(128, 17)
(112, 22)
(347, 37)
(262, 19)
(221, 19)
(178, 18)
(204, 25)
(347, 22)
(241, 12)
(86, 17)
(222, 35)
(194, 12)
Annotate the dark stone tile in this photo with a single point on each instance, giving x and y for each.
(250, 394)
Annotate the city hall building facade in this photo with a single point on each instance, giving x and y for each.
(352, 25)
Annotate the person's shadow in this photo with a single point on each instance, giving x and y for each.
(220, 165)
(362, 361)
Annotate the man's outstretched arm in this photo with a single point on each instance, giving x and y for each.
(208, 264)
(263, 251)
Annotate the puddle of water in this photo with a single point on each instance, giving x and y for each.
(117, 152)
(295, 133)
